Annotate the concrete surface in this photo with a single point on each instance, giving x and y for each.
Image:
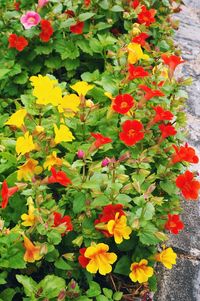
(182, 283)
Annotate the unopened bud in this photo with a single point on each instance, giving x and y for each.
(105, 162)
(80, 154)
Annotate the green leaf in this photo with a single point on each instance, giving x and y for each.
(102, 298)
(168, 187)
(100, 201)
(30, 286)
(52, 285)
(107, 292)
(95, 45)
(54, 237)
(8, 294)
(3, 277)
(153, 283)
(84, 46)
(117, 8)
(123, 266)
(94, 289)
(117, 296)
(148, 211)
(85, 16)
(79, 203)
(62, 264)
(90, 77)
(146, 235)
(3, 72)
(22, 78)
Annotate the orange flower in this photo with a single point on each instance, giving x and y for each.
(32, 252)
(140, 271)
(119, 229)
(100, 259)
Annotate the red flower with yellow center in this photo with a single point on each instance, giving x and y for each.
(149, 93)
(140, 39)
(167, 130)
(184, 153)
(123, 103)
(188, 185)
(100, 140)
(77, 28)
(161, 114)
(174, 224)
(136, 72)
(146, 16)
(65, 220)
(6, 193)
(17, 42)
(132, 132)
(58, 177)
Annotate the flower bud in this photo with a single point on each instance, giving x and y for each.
(80, 154)
(105, 162)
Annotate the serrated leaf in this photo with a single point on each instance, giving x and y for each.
(123, 266)
(94, 289)
(85, 16)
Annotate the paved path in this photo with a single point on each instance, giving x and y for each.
(183, 282)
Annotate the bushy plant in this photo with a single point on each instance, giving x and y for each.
(92, 158)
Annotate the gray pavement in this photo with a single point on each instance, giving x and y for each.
(182, 283)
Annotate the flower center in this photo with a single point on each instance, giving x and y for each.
(31, 20)
(124, 105)
(131, 132)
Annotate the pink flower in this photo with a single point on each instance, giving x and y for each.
(42, 3)
(30, 19)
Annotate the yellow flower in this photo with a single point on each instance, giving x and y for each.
(140, 271)
(52, 160)
(167, 257)
(100, 259)
(69, 105)
(32, 252)
(135, 53)
(29, 219)
(17, 119)
(25, 144)
(63, 134)
(28, 170)
(119, 228)
(82, 88)
(46, 90)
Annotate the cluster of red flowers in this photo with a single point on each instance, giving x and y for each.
(17, 42)
(123, 103)
(47, 30)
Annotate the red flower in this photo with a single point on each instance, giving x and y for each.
(135, 4)
(77, 28)
(172, 61)
(184, 153)
(17, 5)
(136, 72)
(82, 259)
(6, 193)
(140, 39)
(188, 186)
(146, 16)
(132, 132)
(100, 139)
(66, 220)
(58, 177)
(122, 103)
(87, 2)
(17, 42)
(174, 224)
(161, 114)
(47, 30)
(108, 214)
(167, 130)
(150, 93)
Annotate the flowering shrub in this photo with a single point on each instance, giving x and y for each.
(93, 167)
